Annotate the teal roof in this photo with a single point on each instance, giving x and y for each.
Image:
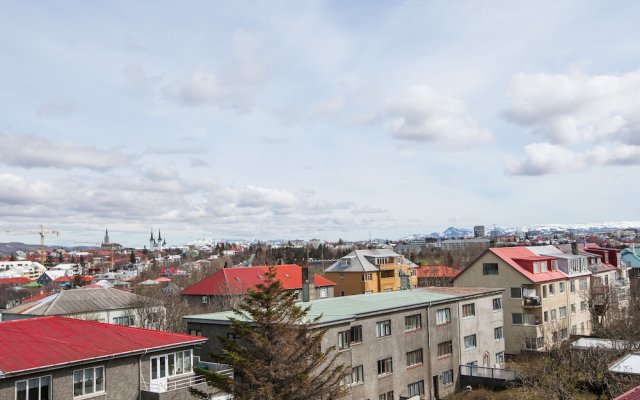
(630, 257)
(347, 308)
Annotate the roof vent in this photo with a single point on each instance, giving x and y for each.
(237, 278)
(286, 275)
(260, 276)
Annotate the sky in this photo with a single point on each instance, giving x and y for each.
(314, 119)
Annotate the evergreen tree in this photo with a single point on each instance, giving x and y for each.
(278, 354)
(132, 257)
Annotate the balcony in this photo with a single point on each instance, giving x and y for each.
(531, 302)
(178, 387)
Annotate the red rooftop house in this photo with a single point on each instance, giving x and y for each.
(63, 358)
(436, 275)
(222, 287)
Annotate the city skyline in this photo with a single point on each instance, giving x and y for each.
(315, 119)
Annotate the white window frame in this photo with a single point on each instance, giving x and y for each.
(385, 366)
(498, 333)
(470, 342)
(443, 316)
(383, 328)
(413, 322)
(93, 391)
(27, 383)
(497, 302)
(416, 388)
(323, 292)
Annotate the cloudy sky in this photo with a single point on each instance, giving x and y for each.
(314, 119)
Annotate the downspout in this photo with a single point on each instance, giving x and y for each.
(140, 374)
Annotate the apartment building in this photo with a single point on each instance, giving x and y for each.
(63, 358)
(372, 271)
(547, 293)
(399, 344)
(27, 269)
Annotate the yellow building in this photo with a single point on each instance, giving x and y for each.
(372, 271)
(546, 294)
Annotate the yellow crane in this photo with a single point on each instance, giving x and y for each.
(42, 232)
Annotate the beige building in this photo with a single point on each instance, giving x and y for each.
(546, 294)
(372, 271)
(399, 344)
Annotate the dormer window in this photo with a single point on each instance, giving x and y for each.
(345, 262)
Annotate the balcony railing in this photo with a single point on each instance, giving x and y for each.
(182, 382)
(531, 301)
(486, 372)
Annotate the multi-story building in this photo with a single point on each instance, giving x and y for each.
(15, 269)
(400, 344)
(63, 358)
(461, 244)
(372, 271)
(478, 231)
(546, 296)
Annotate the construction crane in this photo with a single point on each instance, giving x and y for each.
(42, 232)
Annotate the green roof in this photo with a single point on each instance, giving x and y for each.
(347, 308)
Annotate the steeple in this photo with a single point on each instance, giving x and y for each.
(151, 238)
(159, 236)
(106, 236)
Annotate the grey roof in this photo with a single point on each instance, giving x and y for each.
(359, 261)
(629, 364)
(74, 301)
(347, 308)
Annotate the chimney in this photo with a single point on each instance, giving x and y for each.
(305, 284)
(574, 248)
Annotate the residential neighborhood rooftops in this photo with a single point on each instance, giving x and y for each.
(510, 256)
(51, 341)
(363, 261)
(347, 308)
(240, 279)
(437, 271)
(74, 301)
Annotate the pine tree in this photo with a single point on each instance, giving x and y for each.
(278, 354)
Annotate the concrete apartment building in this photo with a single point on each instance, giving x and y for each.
(28, 269)
(62, 358)
(371, 271)
(548, 292)
(399, 344)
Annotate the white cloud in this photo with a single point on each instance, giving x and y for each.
(573, 108)
(544, 158)
(619, 154)
(30, 152)
(426, 115)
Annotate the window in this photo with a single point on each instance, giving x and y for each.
(416, 388)
(447, 377)
(127, 320)
(516, 293)
(385, 366)
(344, 339)
(533, 343)
(470, 342)
(445, 348)
(357, 374)
(536, 267)
(517, 319)
(172, 364)
(386, 273)
(554, 336)
(583, 284)
(443, 316)
(498, 333)
(500, 358)
(468, 310)
(414, 357)
(205, 299)
(412, 322)
(356, 334)
(489, 269)
(561, 287)
(324, 292)
(195, 332)
(544, 291)
(383, 328)
(88, 381)
(34, 388)
(573, 308)
(583, 306)
(572, 286)
(574, 329)
(497, 304)
(552, 289)
(546, 316)
(563, 334)
(386, 396)
(563, 312)
(366, 277)
(553, 315)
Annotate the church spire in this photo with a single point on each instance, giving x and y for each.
(159, 236)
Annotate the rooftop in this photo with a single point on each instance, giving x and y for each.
(53, 341)
(348, 308)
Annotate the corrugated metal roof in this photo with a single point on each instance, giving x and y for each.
(346, 308)
(74, 301)
(240, 279)
(48, 341)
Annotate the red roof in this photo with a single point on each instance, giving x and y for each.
(240, 279)
(44, 342)
(633, 394)
(84, 278)
(437, 271)
(13, 281)
(511, 254)
(37, 297)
